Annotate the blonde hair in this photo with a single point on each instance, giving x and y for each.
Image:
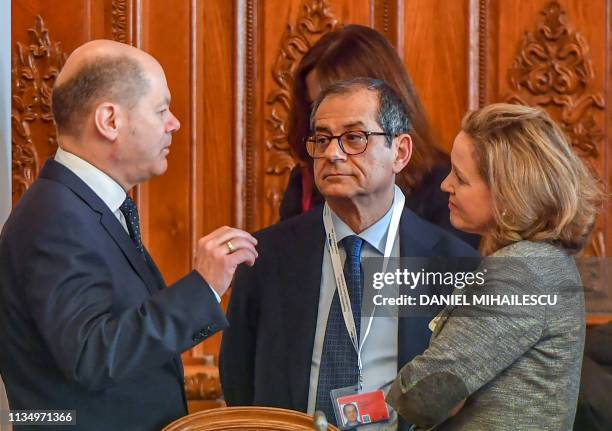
(541, 190)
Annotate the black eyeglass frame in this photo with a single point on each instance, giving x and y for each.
(339, 138)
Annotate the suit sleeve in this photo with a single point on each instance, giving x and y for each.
(476, 343)
(68, 288)
(598, 344)
(237, 358)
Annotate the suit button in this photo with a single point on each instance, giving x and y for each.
(199, 336)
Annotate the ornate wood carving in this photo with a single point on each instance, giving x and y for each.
(315, 20)
(119, 17)
(388, 19)
(553, 70)
(203, 386)
(251, 151)
(483, 34)
(245, 143)
(382, 17)
(35, 68)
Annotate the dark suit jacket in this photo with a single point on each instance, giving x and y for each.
(427, 201)
(266, 352)
(86, 323)
(595, 397)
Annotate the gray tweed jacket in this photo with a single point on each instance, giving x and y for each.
(518, 366)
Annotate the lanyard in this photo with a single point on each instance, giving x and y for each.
(345, 300)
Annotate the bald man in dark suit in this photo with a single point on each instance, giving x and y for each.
(86, 321)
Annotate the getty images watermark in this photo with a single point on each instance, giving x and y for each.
(422, 286)
(459, 280)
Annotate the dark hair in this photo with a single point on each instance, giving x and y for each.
(392, 116)
(351, 52)
(344, 407)
(116, 79)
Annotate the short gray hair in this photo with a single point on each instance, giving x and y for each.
(393, 117)
(119, 79)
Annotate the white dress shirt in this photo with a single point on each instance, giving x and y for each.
(107, 189)
(379, 354)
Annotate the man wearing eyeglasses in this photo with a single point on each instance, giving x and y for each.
(289, 343)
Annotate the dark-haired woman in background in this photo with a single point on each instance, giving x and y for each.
(358, 51)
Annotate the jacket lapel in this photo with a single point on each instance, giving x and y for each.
(413, 332)
(55, 171)
(125, 243)
(303, 269)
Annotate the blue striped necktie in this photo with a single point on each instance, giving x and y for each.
(339, 367)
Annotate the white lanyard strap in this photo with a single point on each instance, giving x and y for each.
(343, 295)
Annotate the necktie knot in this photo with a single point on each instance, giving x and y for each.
(128, 206)
(130, 212)
(352, 245)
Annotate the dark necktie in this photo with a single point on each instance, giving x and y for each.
(338, 367)
(130, 212)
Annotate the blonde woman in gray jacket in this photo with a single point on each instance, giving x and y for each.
(516, 182)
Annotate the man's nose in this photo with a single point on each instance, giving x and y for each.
(333, 151)
(173, 124)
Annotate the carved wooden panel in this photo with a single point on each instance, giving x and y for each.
(388, 19)
(552, 54)
(246, 99)
(553, 69)
(436, 55)
(213, 104)
(120, 19)
(315, 19)
(42, 37)
(36, 64)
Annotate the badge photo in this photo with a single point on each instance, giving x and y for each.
(355, 409)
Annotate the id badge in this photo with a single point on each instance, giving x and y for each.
(354, 409)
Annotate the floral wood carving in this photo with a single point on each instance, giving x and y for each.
(315, 20)
(35, 68)
(119, 20)
(553, 70)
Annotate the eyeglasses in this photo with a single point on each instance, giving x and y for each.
(351, 142)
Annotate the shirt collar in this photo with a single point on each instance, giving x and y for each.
(107, 189)
(375, 235)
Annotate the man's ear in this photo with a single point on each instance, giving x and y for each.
(403, 152)
(107, 119)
